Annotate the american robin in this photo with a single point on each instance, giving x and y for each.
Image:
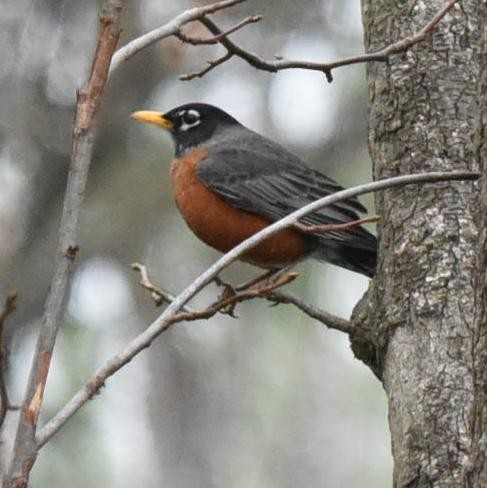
(230, 182)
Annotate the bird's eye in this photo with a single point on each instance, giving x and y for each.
(190, 117)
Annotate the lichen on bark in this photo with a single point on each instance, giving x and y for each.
(415, 327)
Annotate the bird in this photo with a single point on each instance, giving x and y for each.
(230, 182)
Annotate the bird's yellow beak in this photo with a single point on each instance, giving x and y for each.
(151, 117)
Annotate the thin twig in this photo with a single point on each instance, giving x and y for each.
(25, 448)
(198, 41)
(211, 64)
(159, 295)
(161, 323)
(172, 28)
(8, 309)
(329, 320)
(323, 228)
(261, 278)
(326, 68)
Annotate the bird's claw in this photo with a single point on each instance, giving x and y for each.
(228, 292)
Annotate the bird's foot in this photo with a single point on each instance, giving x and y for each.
(269, 280)
(228, 292)
(260, 286)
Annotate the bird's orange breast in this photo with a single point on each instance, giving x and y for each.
(223, 226)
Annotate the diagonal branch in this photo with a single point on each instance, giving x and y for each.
(329, 320)
(326, 68)
(224, 304)
(322, 228)
(165, 320)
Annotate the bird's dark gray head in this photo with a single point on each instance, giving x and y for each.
(190, 125)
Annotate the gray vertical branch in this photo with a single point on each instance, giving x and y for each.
(25, 449)
(416, 328)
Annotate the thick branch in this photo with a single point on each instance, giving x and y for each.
(326, 68)
(165, 320)
(25, 448)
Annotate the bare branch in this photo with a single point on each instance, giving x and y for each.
(25, 448)
(229, 301)
(165, 320)
(326, 68)
(8, 309)
(329, 320)
(196, 41)
(238, 294)
(224, 304)
(252, 282)
(313, 229)
(211, 64)
(159, 295)
(172, 28)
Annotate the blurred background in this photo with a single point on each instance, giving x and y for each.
(271, 399)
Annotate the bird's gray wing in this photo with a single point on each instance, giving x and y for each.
(263, 178)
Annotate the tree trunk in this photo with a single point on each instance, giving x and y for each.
(477, 475)
(416, 327)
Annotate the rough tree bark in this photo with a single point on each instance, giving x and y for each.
(477, 475)
(416, 326)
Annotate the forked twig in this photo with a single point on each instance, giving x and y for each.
(198, 41)
(326, 68)
(171, 28)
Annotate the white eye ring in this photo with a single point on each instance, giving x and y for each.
(189, 118)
